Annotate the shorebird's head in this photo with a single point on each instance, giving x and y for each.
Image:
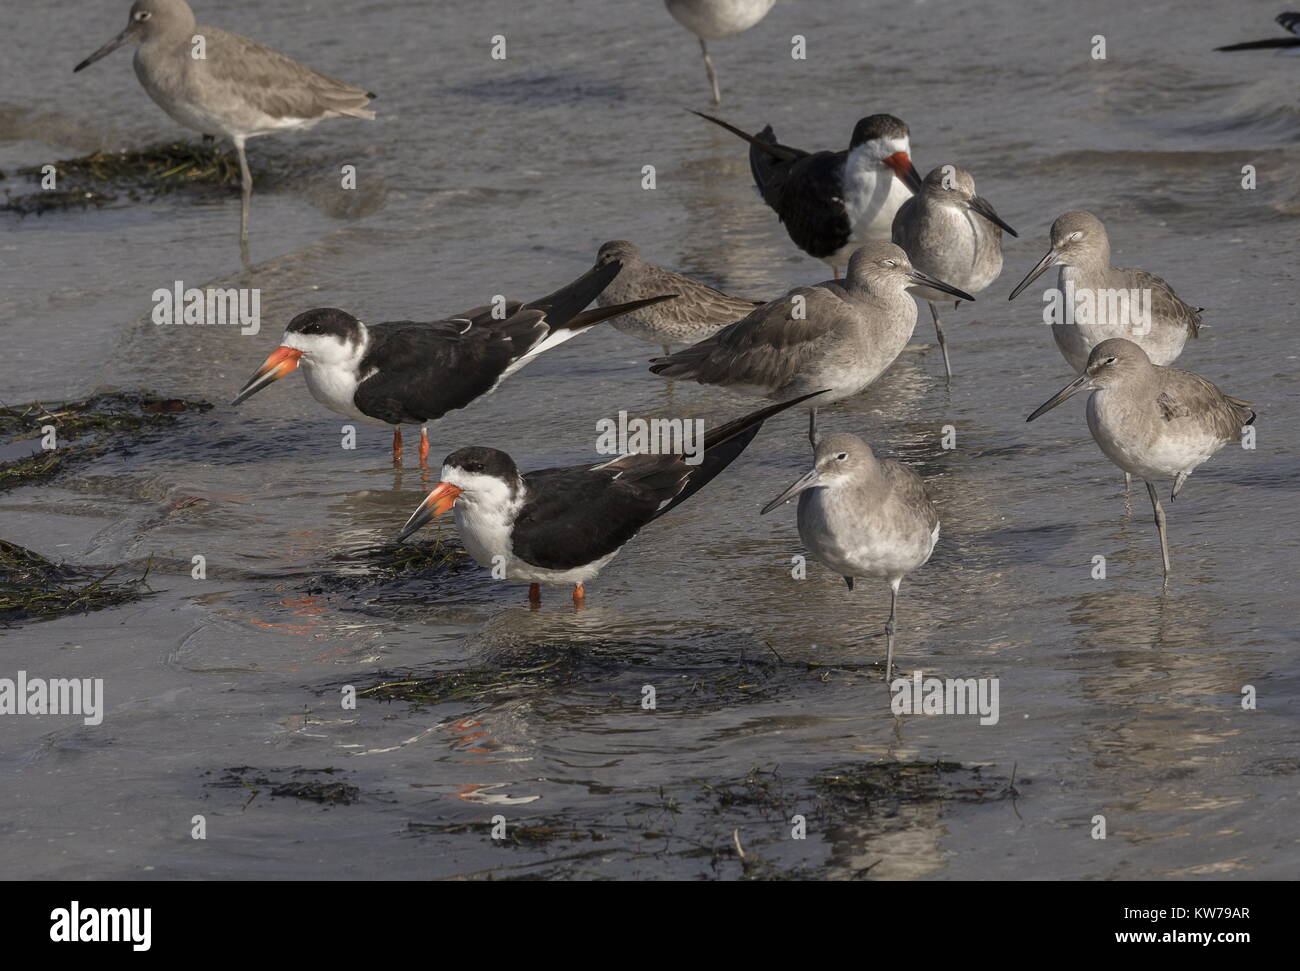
(1077, 238)
(617, 250)
(949, 185)
(148, 19)
(480, 479)
(887, 142)
(836, 459)
(1110, 364)
(883, 268)
(324, 337)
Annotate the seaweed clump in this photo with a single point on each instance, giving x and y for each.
(34, 588)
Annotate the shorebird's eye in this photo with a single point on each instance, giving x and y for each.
(1109, 360)
(889, 262)
(842, 456)
(1077, 234)
(142, 15)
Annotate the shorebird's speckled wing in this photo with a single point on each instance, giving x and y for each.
(275, 84)
(766, 350)
(1185, 396)
(696, 301)
(1165, 304)
(909, 488)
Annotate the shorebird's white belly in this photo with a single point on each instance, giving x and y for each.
(886, 543)
(1140, 441)
(712, 19)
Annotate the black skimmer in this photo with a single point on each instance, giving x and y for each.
(832, 202)
(407, 372)
(561, 526)
(1287, 21)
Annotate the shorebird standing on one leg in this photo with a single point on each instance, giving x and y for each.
(864, 517)
(715, 19)
(1153, 421)
(220, 83)
(951, 233)
(832, 202)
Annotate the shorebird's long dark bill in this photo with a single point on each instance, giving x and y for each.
(982, 208)
(1045, 264)
(437, 502)
(281, 361)
(1069, 391)
(804, 483)
(905, 170)
(925, 280)
(108, 48)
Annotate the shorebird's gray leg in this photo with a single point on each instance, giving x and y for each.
(1179, 479)
(891, 626)
(667, 349)
(943, 341)
(246, 178)
(835, 270)
(713, 75)
(1128, 483)
(812, 427)
(1160, 525)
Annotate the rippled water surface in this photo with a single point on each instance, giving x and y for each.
(485, 176)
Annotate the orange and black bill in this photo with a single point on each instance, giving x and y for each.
(281, 361)
(437, 502)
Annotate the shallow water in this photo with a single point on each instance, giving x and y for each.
(483, 177)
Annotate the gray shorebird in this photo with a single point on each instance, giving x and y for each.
(1153, 421)
(562, 526)
(698, 312)
(1097, 301)
(839, 335)
(862, 516)
(220, 83)
(715, 19)
(832, 202)
(951, 233)
(1285, 45)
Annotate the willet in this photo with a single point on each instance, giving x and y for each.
(715, 19)
(1095, 301)
(220, 83)
(561, 526)
(831, 202)
(1153, 421)
(408, 373)
(939, 230)
(839, 335)
(698, 312)
(864, 517)
(1288, 45)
